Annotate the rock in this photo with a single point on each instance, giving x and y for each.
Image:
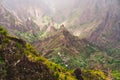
(78, 74)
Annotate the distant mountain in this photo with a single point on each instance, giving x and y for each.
(27, 30)
(98, 21)
(82, 17)
(43, 7)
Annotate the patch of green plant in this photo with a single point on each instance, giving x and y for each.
(58, 60)
(3, 31)
(90, 49)
(94, 75)
(1, 60)
(19, 46)
(57, 75)
(29, 36)
(112, 51)
(116, 75)
(77, 61)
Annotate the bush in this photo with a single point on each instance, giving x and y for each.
(116, 75)
(3, 31)
(65, 77)
(57, 75)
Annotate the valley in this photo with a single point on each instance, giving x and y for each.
(53, 39)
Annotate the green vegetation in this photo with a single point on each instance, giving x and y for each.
(18, 48)
(61, 73)
(66, 50)
(116, 75)
(1, 60)
(30, 37)
(3, 31)
(94, 75)
(46, 20)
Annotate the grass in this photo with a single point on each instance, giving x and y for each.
(116, 75)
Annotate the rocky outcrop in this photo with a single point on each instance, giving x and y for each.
(98, 21)
(78, 74)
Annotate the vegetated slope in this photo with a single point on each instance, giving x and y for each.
(71, 52)
(18, 60)
(14, 63)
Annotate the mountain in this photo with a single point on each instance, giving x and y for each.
(37, 9)
(95, 23)
(27, 30)
(101, 18)
(98, 21)
(62, 38)
(41, 8)
(19, 60)
(70, 51)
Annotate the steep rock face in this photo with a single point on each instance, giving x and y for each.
(108, 30)
(24, 10)
(16, 26)
(98, 21)
(7, 19)
(40, 8)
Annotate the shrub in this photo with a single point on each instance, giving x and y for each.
(65, 77)
(3, 31)
(57, 75)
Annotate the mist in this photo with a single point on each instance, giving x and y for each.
(58, 9)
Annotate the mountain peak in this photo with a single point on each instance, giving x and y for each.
(62, 39)
(63, 30)
(62, 27)
(51, 28)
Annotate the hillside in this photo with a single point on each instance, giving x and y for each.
(18, 60)
(69, 51)
(14, 61)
